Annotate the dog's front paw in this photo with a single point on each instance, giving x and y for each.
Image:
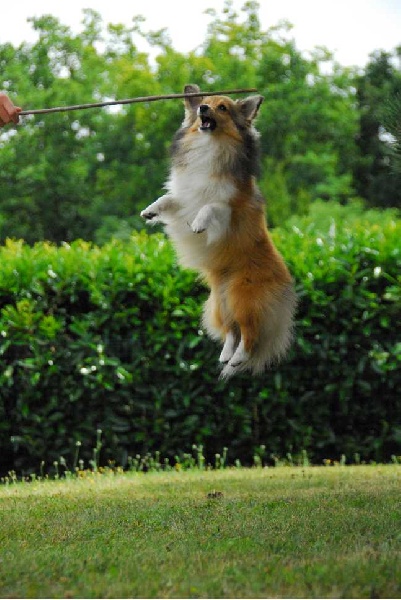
(150, 214)
(199, 225)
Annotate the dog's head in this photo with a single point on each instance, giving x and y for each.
(219, 115)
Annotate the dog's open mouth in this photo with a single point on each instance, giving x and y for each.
(207, 123)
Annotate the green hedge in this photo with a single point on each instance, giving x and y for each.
(109, 338)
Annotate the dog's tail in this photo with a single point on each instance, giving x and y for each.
(276, 331)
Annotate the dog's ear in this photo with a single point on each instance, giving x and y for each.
(192, 103)
(250, 106)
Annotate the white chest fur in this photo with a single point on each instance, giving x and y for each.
(198, 182)
(202, 202)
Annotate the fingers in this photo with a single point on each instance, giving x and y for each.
(8, 112)
(15, 116)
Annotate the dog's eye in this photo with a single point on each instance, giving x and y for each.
(222, 107)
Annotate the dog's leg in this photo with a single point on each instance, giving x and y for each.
(237, 362)
(214, 219)
(246, 303)
(228, 348)
(154, 211)
(240, 356)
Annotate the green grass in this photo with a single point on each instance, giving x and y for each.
(235, 533)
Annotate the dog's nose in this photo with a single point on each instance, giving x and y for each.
(203, 108)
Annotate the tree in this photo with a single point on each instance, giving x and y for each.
(308, 120)
(392, 124)
(377, 88)
(88, 173)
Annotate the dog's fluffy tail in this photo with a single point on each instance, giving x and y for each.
(276, 331)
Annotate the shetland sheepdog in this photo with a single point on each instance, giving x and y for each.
(214, 214)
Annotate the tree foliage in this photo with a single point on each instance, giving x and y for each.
(378, 94)
(87, 174)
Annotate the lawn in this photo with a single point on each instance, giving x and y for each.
(234, 533)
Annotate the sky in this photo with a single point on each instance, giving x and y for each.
(351, 29)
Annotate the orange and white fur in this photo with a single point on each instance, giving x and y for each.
(215, 216)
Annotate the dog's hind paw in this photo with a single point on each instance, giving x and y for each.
(229, 370)
(238, 362)
(240, 356)
(228, 349)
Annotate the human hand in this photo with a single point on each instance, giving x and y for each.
(8, 112)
